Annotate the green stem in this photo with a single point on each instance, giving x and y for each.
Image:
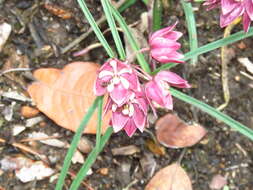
(214, 112)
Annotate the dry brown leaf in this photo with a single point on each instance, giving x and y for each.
(155, 147)
(58, 11)
(174, 133)
(172, 177)
(66, 95)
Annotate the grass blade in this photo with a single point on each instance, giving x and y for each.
(72, 148)
(157, 15)
(112, 25)
(90, 160)
(99, 124)
(209, 47)
(214, 112)
(131, 39)
(95, 28)
(191, 26)
(127, 4)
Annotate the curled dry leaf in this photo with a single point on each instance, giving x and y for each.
(174, 133)
(66, 95)
(172, 177)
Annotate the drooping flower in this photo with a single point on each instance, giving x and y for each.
(130, 116)
(116, 78)
(163, 45)
(232, 9)
(157, 89)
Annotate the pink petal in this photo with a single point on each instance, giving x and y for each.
(133, 80)
(173, 35)
(162, 32)
(230, 17)
(119, 95)
(228, 5)
(168, 102)
(165, 43)
(118, 121)
(166, 55)
(153, 93)
(139, 118)
(172, 78)
(98, 89)
(249, 8)
(246, 22)
(130, 128)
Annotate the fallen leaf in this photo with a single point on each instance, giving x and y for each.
(126, 150)
(155, 147)
(15, 96)
(33, 121)
(172, 177)
(77, 158)
(218, 182)
(65, 95)
(5, 31)
(26, 169)
(174, 133)
(51, 142)
(17, 129)
(247, 63)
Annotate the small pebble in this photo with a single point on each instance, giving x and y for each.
(28, 112)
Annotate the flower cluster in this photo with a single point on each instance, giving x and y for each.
(129, 100)
(232, 9)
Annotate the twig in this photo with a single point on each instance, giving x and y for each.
(27, 149)
(14, 70)
(224, 65)
(181, 156)
(87, 49)
(130, 184)
(86, 34)
(40, 138)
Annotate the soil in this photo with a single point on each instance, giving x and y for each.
(223, 151)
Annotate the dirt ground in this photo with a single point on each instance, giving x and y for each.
(223, 151)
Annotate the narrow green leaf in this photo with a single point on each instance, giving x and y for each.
(112, 25)
(209, 47)
(72, 148)
(145, 2)
(191, 26)
(157, 15)
(131, 40)
(127, 4)
(99, 123)
(95, 28)
(214, 112)
(90, 160)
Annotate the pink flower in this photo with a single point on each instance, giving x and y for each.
(163, 45)
(116, 78)
(157, 90)
(232, 9)
(131, 115)
(212, 4)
